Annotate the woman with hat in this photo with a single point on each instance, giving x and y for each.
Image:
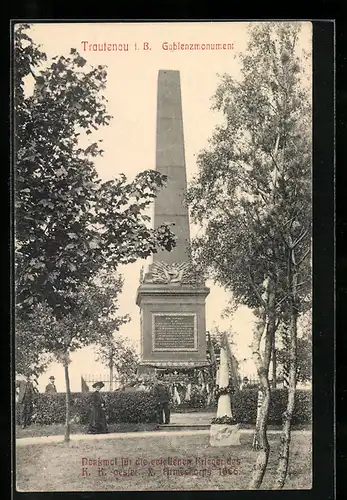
(97, 422)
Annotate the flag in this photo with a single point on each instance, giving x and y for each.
(84, 386)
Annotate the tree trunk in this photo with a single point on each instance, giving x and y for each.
(274, 364)
(283, 462)
(68, 401)
(262, 441)
(269, 340)
(111, 375)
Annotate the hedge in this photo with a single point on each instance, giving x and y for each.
(244, 404)
(140, 407)
(132, 407)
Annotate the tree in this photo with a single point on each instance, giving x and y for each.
(304, 351)
(70, 226)
(94, 316)
(30, 360)
(252, 196)
(118, 354)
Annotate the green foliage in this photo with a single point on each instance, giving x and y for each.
(252, 194)
(244, 404)
(118, 353)
(304, 359)
(95, 314)
(139, 407)
(72, 229)
(132, 407)
(69, 224)
(223, 421)
(30, 360)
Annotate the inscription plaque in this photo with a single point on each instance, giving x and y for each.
(174, 332)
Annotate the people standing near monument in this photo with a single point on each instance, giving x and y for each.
(244, 383)
(97, 421)
(162, 396)
(51, 388)
(25, 392)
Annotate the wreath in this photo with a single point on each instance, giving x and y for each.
(225, 420)
(222, 391)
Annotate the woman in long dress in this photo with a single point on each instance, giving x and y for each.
(97, 422)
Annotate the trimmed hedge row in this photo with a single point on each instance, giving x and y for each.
(140, 407)
(132, 407)
(244, 404)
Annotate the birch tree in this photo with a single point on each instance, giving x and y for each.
(252, 193)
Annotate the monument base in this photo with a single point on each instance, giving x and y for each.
(225, 435)
(187, 381)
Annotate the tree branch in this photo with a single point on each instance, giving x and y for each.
(301, 237)
(303, 257)
(255, 288)
(302, 283)
(282, 300)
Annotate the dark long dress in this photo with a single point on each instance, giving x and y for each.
(25, 402)
(97, 422)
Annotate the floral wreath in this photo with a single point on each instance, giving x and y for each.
(222, 391)
(225, 420)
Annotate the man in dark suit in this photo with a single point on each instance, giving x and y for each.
(25, 392)
(51, 388)
(162, 395)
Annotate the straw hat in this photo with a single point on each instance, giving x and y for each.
(98, 384)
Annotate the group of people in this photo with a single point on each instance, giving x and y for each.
(98, 420)
(26, 391)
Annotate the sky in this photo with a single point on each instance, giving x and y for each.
(129, 140)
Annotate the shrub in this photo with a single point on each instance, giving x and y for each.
(140, 407)
(245, 406)
(132, 407)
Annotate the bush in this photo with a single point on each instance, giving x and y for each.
(140, 407)
(132, 407)
(245, 406)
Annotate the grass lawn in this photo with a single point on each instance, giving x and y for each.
(58, 466)
(35, 430)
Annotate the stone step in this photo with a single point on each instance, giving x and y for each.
(183, 426)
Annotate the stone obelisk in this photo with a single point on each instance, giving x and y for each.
(171, 295)
(170, 160)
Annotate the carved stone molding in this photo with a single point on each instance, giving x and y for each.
(178, 272)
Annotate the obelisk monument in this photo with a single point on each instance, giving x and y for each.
(170, 160)
(172, 295)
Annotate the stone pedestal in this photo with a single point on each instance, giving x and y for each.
(225, 435)
(173, 330)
